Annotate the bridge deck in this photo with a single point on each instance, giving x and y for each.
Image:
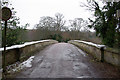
(64, 60)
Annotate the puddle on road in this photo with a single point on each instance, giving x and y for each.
(40, 59)
(79, 66)
(66, 55)
(46, 65)
(70, 53)
(82, 70)
(74, 58)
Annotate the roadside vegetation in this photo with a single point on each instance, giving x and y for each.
(104, 23)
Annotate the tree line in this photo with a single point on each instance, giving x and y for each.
(55, 28)
(106, 22)
(57, 23)
(48, 28)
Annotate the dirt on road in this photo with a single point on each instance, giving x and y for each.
(63, 60)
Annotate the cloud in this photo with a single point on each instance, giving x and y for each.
(30, 11)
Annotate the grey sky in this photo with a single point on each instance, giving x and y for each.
(30, 11)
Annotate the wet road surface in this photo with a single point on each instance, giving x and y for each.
(63, 60)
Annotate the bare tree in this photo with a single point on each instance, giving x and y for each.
(46, 22)
(77, 24)
(59, 21)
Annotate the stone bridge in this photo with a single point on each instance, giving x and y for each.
(50, 59)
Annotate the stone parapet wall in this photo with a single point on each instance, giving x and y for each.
(112, 57)
(100, 52)
(21, 52)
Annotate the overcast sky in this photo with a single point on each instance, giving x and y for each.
(30, 11)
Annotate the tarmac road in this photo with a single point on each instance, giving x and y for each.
(63, 60)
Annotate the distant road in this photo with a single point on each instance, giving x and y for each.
(63, 60)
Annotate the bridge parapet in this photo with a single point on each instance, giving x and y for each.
(22, 52)
(101, 52)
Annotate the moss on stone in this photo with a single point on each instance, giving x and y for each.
(113, 50)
